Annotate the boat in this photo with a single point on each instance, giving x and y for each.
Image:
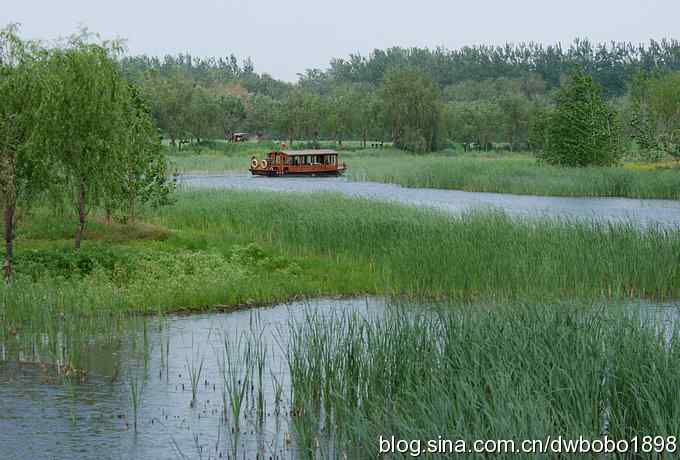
(298, 163)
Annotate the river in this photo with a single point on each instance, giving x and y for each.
(641, 212)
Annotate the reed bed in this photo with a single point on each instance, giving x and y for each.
(234, 248)
(515, 173)
(481, 372)
(398, 250)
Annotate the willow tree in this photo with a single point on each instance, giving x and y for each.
(82, 122)
(142, 169)
(412, 109)
(22, 173)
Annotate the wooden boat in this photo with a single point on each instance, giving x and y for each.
(298, 163)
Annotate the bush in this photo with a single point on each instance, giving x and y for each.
(583, 130)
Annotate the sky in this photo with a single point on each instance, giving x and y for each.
(286, 37)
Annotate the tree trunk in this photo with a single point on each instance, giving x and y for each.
(81, 215)
(10, 209)
(109, 216)
(131, 207)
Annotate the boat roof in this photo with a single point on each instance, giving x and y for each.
(310, 152)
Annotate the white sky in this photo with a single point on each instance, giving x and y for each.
(288, 36)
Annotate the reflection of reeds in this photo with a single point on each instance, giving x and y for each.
(136, 386)
(165, 353)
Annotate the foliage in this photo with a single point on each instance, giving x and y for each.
(412, 109)
(656, 113)
(23, 173)
(582, 130)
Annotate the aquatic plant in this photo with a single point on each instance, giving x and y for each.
(194, 369)
(483, 372)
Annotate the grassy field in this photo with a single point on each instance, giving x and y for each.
(518, 173)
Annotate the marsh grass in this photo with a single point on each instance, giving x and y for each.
(475, 372)
(194, 367)
(236, 369)
(247, 248)
(392, 249)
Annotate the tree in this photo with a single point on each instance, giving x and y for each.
(656, 112)
(232, 113)
(204, 113)
(141, 173)
(582, 130)
(412, 109)
(171, 107)
(369, 115)
(22, 173)
(299, 115)
(261, 114)
(82, 119)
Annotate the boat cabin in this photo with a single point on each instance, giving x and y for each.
(298, 162)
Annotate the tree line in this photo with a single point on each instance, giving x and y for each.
(484, 96)
(73, 130)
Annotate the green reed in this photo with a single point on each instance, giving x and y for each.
(474, 372)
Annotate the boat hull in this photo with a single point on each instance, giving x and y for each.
(274, 173)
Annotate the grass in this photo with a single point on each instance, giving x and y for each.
(518, 173)
(405, 251)
(231, 248)
(219, 249)
(497, 372)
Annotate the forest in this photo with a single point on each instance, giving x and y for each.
(485, 96)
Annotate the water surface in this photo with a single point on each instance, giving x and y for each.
(643, 212)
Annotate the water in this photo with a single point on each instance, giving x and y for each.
(645, 213)
(42, 417)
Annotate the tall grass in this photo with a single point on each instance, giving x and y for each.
(405, 251)
(519, 174)
(230, 248)
(498, 372)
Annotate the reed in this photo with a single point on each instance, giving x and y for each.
(236, 369)
(393, 249)
(483, 372)
(194, 369)
(514, 173)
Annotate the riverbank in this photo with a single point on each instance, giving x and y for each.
(503, 172)
(249, 248)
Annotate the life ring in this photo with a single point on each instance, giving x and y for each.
(253, 163)
(264, 164)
